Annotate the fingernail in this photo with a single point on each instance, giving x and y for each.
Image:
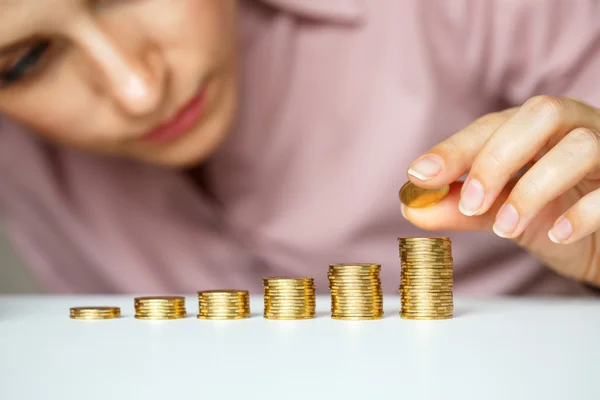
(506, 221)
(402, 210)
(134, 87)
(426, 168)
(471, 198)
(561, 230)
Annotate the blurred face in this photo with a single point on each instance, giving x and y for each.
(152, 80)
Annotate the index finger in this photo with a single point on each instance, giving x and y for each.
(453, 157)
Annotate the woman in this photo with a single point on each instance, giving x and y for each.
(193, 144)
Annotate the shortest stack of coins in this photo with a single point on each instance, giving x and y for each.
(160, 307)
(356, 292)
(95, 312)
(223, 304)
(426, 278)
(289, 298)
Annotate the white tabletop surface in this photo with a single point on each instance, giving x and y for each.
(492, 349)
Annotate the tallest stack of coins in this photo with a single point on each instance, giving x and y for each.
(426, 278)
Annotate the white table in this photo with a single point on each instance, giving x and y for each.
(492, 349)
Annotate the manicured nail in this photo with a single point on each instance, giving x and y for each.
(426, 168)
(471, 198)
(561, 230)
(402, 210)
(506, 221)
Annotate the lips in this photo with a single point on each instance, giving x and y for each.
(185, 119)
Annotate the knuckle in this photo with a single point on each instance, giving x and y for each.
(586, 142)
(532, 189)
(489, 121)
(525, 194)
(553, 108)
(492, 160)
(526, 189)
(450, 148)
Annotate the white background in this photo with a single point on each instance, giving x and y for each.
(493, 349)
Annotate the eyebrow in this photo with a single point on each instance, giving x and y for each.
(30, 19)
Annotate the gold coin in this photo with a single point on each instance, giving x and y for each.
(160, 313)
(231, 307)
(424, 243)
(158, 318)
(286, 302)
(431, 313)
(424, 239)
(95, 309)
(425, 290)
(422, 312)
(427, 316)
(424, 273)
(93, 317)
(223, 292)
(355, 265)
(357, 317)
(160, 299)
(364, 291)
(357, 310)
(424, 299)
(415, 311)
(289, 293)
(224, 312)
(424, 246)
(358, 300)
(92, 312)
(290, 308)
(427, 306)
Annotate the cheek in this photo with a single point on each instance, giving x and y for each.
(36, 113)
(195, 29)
(62, 121)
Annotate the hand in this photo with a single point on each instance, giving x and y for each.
(533, 177)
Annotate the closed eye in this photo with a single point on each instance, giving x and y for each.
(28, 64)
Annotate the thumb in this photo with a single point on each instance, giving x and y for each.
(446, 216)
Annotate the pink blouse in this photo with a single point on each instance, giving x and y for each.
(338, 97)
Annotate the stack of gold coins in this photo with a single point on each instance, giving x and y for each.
(160, 307)
(289, 298)
(223, 304)
(95, 312)
(426, 278)
(356, 292)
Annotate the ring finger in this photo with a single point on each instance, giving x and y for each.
(565, 165)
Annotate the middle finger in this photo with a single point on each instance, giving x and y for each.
(540, 120)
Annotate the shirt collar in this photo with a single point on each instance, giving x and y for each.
(344, 11)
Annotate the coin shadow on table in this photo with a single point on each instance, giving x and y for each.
(461, 312)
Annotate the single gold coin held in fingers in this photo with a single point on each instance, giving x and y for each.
(414, 196)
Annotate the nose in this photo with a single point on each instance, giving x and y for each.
(135, 76)
(138, 85)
